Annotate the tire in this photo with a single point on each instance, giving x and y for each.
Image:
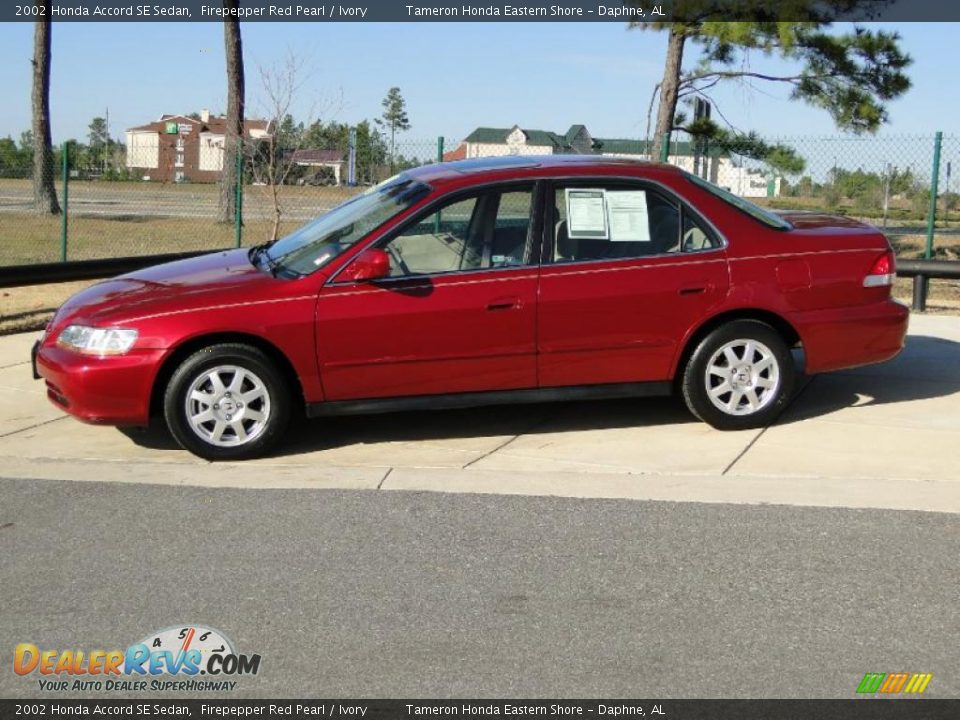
(227, 402)
(729, 390)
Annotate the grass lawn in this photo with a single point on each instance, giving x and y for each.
(118, 219)
(126, 218)
(26, 238)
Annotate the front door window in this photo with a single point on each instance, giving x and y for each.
(480, 232)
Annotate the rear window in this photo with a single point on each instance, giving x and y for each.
(770, 219)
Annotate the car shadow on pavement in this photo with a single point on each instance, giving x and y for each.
(929, 367)
(494, 421)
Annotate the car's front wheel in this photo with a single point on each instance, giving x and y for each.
(227, 402)
(739, 376)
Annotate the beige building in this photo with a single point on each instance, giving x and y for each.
(179, 148)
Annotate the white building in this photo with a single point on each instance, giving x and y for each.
(718, 167)
(176, 148)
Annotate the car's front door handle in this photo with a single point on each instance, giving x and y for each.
(504, 303)
(693, 290)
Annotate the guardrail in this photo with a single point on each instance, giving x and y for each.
(56, 272)
(921, 271)
(47, 273)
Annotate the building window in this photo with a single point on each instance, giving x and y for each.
(180, 143)
(179, 162)
(179, 176)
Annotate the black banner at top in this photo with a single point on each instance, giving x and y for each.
(334, 11)
(421, 709)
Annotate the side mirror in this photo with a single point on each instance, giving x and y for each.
(371, 264)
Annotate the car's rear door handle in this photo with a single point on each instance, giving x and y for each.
(693, 290)
(504, 303)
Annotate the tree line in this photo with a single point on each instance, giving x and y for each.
(100, 156)
(103, 157)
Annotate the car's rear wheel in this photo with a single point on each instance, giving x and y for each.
(739, 376)
(227, 402)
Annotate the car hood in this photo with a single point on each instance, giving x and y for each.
(180, 285)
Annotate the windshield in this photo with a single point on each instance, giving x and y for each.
(768, 218)
(318, 242)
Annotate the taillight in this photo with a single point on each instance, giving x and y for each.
(883, 272)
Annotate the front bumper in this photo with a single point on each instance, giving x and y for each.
(112, 390)
(842, 338)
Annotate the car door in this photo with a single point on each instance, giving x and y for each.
(628, 269)
(456, 314)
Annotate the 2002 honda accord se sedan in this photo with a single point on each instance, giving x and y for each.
(479, 282)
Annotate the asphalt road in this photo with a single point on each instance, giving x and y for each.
(400, 594)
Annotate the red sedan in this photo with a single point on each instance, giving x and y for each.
(479, 282)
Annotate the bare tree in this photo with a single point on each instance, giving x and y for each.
(233, 47)
(271, 161)
(44, 194)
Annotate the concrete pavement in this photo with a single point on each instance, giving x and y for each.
(886, 436)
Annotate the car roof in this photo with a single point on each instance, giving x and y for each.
(528, 165)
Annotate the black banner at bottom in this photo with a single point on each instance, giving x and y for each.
(856, 709)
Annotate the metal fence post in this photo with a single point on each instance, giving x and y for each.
(238, 204)
(436, 218)
(352, 157)
(934, 180)
(665, 147)
(65, 161)
(920, 284)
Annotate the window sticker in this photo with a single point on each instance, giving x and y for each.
(628, 219)
(586, 214)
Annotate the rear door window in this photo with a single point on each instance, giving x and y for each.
(610, 222)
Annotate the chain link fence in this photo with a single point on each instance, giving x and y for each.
(171, 208)
(123, 211)
(884, 181)
(887, 181)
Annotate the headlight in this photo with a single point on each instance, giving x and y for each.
(97, 341)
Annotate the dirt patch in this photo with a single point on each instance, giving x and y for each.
(943, 296)
(31, 307)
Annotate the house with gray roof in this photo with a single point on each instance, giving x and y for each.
(486, 142)
(718, 166)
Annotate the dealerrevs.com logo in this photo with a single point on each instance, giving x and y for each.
(186, 658)
(894, 683)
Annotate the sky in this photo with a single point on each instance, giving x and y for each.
(454, 76)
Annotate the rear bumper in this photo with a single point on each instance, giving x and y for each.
(849, 337)
(104, 391)
(33, 359)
